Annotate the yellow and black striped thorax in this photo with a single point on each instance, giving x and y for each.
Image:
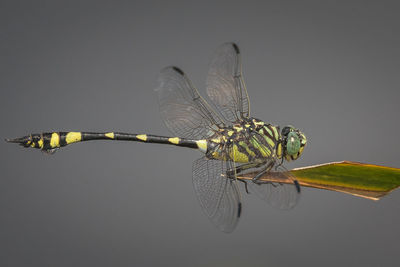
(249, 140)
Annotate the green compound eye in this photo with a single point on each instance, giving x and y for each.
(293, 143)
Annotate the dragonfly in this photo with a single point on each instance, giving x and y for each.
(232, 142)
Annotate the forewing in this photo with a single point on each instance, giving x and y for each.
(184, 112)
(225, 85)
(218, 195)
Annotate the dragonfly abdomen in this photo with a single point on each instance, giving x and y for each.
(49, 142)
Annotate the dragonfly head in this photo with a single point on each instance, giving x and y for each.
(293, 141)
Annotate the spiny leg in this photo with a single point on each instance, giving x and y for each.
(240, 169)
(267, 168)
(245, 186)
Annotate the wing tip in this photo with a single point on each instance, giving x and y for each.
(167, 70)
(296, 183)
(236, 47)
(178, 70)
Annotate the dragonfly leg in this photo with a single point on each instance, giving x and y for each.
(245, 185)
(240, 169)
(232, 173)
(274, 184)
(256, 179)
(280, 163)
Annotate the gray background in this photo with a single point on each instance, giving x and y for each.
(330, 68)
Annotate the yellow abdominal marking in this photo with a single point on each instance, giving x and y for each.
(110, 135)
(40, 143)
(142, 137)
(174, 140)
(55, 140)
(72, 137)
(202, 145)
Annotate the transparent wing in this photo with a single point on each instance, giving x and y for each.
(283, 190)
(184, 112)
(218, 195)
(225, 85)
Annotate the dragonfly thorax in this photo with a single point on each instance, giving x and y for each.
(252, 140)
(247, 140)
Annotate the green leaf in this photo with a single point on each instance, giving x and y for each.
(363, 180)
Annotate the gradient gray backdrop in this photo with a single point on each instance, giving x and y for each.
(330, 68)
